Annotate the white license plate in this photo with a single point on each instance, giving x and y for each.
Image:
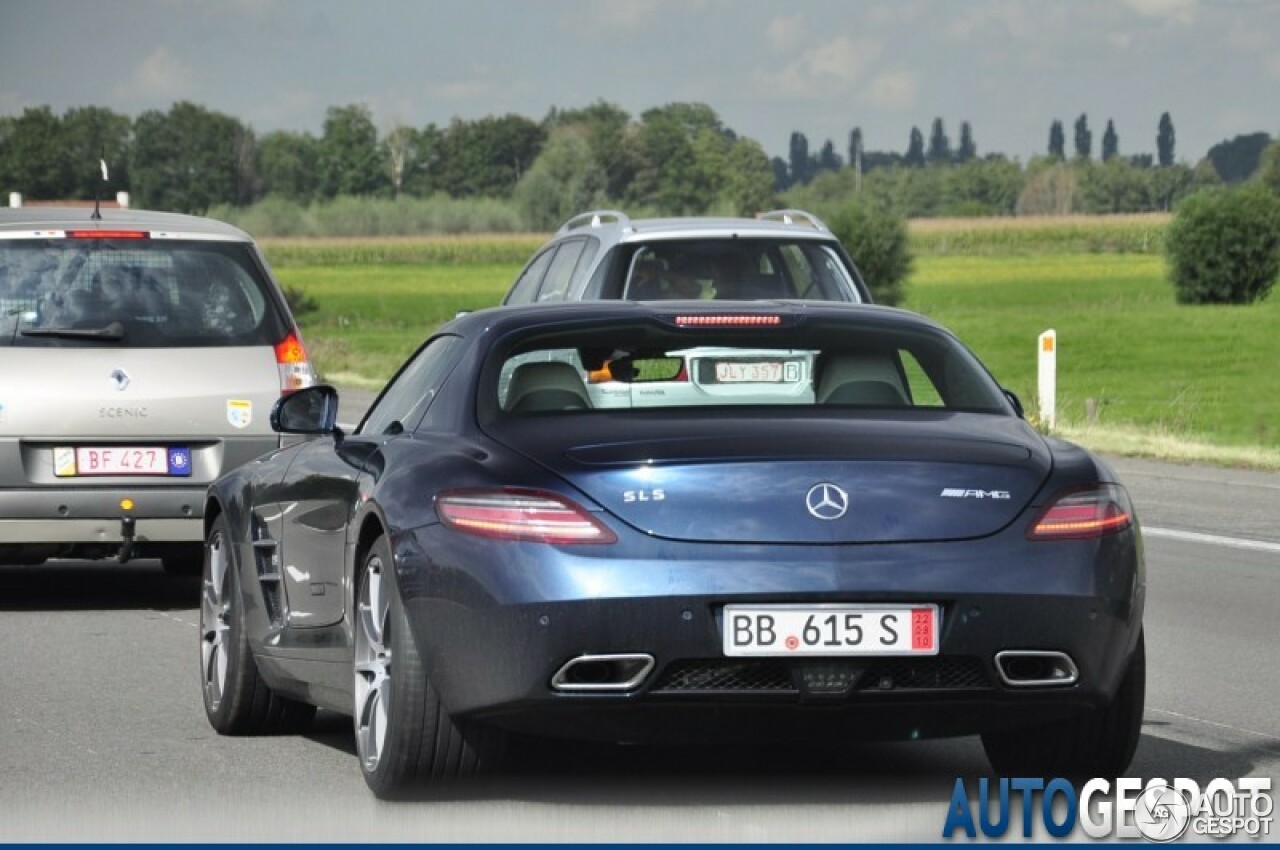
(69, 462)
(791, 630)
(770, 372)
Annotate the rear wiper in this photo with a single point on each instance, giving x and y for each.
(114, 332)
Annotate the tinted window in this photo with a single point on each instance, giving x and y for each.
(832, 365)
(410, 393)
(732, 269)
(138, 293)
(527, 284)
(816, 272)
(579, 281)
(560, 272)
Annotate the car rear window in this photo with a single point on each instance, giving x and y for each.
(835, 367)
(141, 293)
(736, 269)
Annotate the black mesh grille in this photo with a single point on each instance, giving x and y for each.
(876, 674)
(937, 673)
(750, 676)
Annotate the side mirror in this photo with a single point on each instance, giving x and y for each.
(1016, 402)
(313, 410)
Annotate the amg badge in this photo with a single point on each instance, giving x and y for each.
(957, 493)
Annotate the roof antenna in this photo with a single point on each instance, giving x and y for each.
(97, 190)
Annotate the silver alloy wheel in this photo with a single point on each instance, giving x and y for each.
(372, 664)
(215, 615)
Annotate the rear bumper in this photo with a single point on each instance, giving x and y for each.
(53, 516)
(494, 627)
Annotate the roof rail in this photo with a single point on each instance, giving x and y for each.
(794, 217)
(595, 218)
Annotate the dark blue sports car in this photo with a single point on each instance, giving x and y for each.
(671, 522)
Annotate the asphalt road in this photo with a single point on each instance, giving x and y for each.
(102, 735)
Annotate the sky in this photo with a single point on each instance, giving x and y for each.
(822, 67)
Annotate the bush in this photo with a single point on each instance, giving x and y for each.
(300, 303)
(1223, 246)
(876, 238)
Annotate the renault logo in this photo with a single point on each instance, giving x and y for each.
(826, 501)
(120, 378)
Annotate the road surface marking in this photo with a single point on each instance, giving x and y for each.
(1212, 539)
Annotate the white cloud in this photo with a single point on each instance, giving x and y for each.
(785, 32)
(160, 75)
(830, 68)
(893, 90)
(1181, 11)
(1121, 40)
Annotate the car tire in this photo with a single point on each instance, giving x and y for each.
(186, 561)
(236, 699)
(1098, 743)
(405, 738)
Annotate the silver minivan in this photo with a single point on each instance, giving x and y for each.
(140, 355)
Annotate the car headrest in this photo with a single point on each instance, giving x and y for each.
(554, 385)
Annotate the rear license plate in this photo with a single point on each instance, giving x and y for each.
(758, 372)
(790, 630)
(80, 461)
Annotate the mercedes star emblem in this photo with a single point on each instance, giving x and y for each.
(826, 501)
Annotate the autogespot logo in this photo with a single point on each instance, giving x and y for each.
(1157, 810)
(1162, 813)
(826, 501)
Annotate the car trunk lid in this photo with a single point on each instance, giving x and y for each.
(874, 478)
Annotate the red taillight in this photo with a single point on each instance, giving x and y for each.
(727, 321)
(108, 234)
(1104, 509)
(512, 514)
(295, 369)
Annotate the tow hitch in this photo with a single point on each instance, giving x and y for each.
(126, 539)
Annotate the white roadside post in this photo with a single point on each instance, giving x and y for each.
(1048, 374)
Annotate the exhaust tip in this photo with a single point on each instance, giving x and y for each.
(1034, 668)
(603, 672)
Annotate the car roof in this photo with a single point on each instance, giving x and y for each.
(25, 219)
(501, 320)
(789, 224)
(693, 227)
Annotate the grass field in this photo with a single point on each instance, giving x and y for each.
(1070, 234)
(1160, 375)
(369, 318)
(1194, 373)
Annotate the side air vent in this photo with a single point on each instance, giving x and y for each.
(266, 562)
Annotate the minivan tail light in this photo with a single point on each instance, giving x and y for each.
(295, 368)
(515, 514)
(1079, 514)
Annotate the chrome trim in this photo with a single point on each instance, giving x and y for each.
(559, 683)
(1058, 660)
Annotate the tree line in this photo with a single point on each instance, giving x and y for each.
(679, 158)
